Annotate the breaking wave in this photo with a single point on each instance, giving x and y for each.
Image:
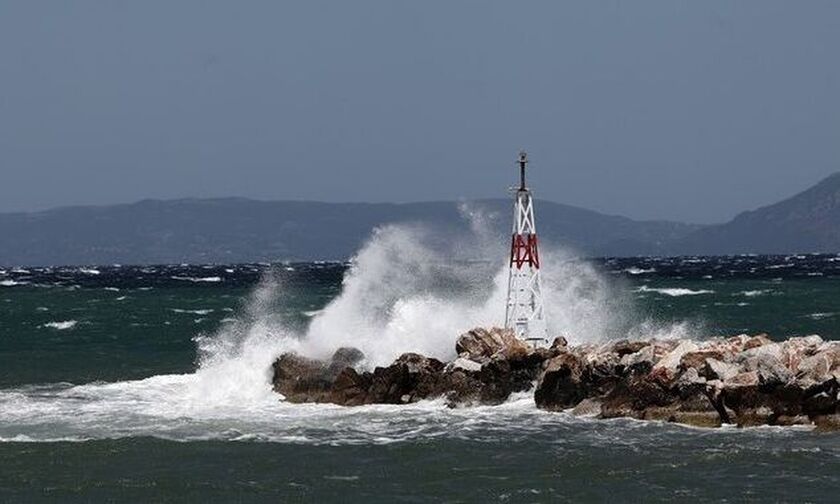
(62, 325)
(406, 290)
(674, 291)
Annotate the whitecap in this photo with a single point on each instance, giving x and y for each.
(754, 293)
(11, 283)
(639, 271)
(197, 279)
(674, 291)
(194, 312)
(62, 325)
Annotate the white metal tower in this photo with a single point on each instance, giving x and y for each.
(524, 313)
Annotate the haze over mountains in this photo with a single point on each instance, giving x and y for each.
(230, 230)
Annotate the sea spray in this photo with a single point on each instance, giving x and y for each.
(403, 292)
(408, 290)
(235, 362)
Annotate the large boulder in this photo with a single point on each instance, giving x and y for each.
(561, 384)
(641, 361)
(410, 378)
(671, 360)
(482, 344)
(300, 379)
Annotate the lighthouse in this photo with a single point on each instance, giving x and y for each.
(524, 312)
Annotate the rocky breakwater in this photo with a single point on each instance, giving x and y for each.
(743, 380)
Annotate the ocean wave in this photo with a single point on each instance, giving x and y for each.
(754, 293)
(674, 291)
(62, 325)
(158, 407)
(194, 312)
(639, 271)
(212, 279)
(11, 283)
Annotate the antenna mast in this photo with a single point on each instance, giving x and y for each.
(524, 313)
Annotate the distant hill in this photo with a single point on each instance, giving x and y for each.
(806, 222)
(239, 230)
(230, 230)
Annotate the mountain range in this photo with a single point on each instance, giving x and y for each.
(230, 230)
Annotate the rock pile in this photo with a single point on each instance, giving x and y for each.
(743, 380)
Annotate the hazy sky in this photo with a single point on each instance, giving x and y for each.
(652, 109)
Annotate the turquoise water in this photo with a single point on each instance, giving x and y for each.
(151, 384)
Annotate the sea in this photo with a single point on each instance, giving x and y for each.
(151, 383)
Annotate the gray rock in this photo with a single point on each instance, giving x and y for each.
(718, 370)
(639, 361)
(587, 408)
(671, 360)
(481, 344)
(464, 364)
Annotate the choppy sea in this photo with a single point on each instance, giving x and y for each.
(151, 383)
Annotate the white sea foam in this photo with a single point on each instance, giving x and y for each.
(194, 312)
(400, 294)
(639, 271)
(11, 283)
(212, 279)
(62, 325)
(674, 291)
(754, 293)
(89, 271)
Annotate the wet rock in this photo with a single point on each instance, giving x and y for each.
(827, 422)
(345, 357)
(587, 408)
(351, 388)
(559, 343)
(625, 347)
(744, 380)
(787, 421)
(463, 364)
(561, 385)
(412, 375)
(300, 379)
(481, 344)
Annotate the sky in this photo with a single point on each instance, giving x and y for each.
(680, 110)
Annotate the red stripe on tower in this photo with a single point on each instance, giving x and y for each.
(524, 250)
